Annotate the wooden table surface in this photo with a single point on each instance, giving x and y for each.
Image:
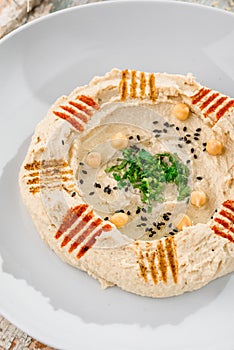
(13, 15)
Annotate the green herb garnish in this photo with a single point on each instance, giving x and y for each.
(149, 173)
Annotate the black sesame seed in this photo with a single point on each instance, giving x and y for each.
(199, 178)
(188, 161)
(166, 218)
(155, 122)
(168, 213)
(195, 156)
(130, 138)
(81, 181)
(185, 138)
(175, 230)
(166, 124)
(73, 194)
(151, 235)
(154, 223)
(179, 145)
(204, 149)
(119, 211)
(144, 218)
(170, 225)
(204, 144)
(106, 218)
(198, 129)
(143, 224)
(192, 150)
(212, 249)
(139, 225)
(197, 134)
(180, 138)
(84, 172)
(138, 137)
(97, 185)
(188, 141)
(157, 130)
(138, 210)
(150, 229)
(62, 142)
(115, 188)
(126, 189)
(188, 135)
(185, 128)
(81, 163)
(177, 128)
(144, 210)
(196, 138)
(157, 136)
(171, 233)
(171, 125)
(128, 212)
(147, 229)
(165, 131)
(153, 232)
(91, 193)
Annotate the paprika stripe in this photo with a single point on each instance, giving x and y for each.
(199, 95)
(92, 240)
(71, 110)
(70, 120)
(209, 100)
(81, 107)
(224, 109)
(220, 232)
(90, 228)
(214, 106)
(88, 101)
(71, 216)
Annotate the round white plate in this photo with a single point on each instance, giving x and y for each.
(50, 300)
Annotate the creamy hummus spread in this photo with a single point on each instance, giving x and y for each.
(130, 178)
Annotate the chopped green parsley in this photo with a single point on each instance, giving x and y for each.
(150, 173)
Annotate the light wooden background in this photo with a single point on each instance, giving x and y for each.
(12, 338)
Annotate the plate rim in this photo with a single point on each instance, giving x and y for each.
(22, 326)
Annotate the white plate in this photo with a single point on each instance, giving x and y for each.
(50, 300)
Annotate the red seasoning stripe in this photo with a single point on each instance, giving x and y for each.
(229, 204)
(225, 224)
(224, 109)
(199, 95)
(70, 120)
(92, 240)
(219, 232)
(227, 215)
(77, 228)
(217, 104)
(75, 113)
(81, 107)
(92, 226)
(71, 216)
(208, 101)
(89, 101)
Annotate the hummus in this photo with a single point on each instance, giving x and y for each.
(130, 178)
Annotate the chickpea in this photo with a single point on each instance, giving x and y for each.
(198, 198)
(214, 147)
(119, 141)
(181, 111)
(119, 219)
(182, 221)
(94, 159)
